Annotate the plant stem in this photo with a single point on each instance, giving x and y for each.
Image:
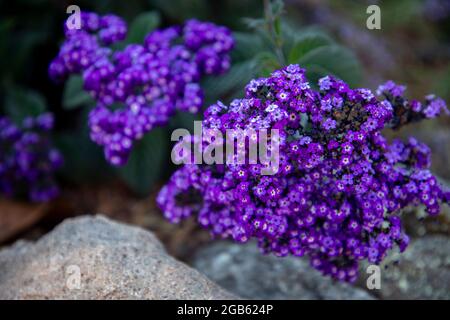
(277, 41)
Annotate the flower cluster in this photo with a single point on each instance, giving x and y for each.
(410, 111)
(340, 186)
(86, 45)
(143, 85)
(27, 159)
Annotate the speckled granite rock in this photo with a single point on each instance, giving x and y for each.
(243, 270)
(96, 258)
(423, 271)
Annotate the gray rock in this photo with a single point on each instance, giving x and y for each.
(243, 270)
(96, 258)
(422, 272)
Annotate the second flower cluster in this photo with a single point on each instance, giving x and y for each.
(143, 85)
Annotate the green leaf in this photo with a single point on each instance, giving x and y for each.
(254, 23)
(142, 25)
(277, 7)
(22, 102)
(334, 60)
(267, 62)
(184, 120)
(74, 95)
(306, 43)
(5, 50)
(25, 48)
(247, 45)
(84, 161)
(314, 73)
(145, 164)
(293, 33)
(180, 10)
(236, 78)
(277, 26)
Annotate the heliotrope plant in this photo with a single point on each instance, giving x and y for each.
(28, 160)
(340, 187)
(143, 85)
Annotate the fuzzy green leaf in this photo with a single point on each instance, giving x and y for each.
(21, 103)
(146, 162)
(247, 45)
(142, 25)
(333, 60)
(237, 77)
(75, 145)
(74, 95)
(305, 44)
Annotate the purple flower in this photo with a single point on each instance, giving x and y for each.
(143, 85)
(434, 107)
(410, 111)
(325, 83)
(390, 88)
(341, 185)
(329, 124)
(27, 159)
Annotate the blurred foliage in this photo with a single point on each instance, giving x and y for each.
(142, 25)
(422, 17)
(147, 161)
(394, 13)
(74, 96)
(417, 33)
(83, 159)
(23, 102)
(270, 45)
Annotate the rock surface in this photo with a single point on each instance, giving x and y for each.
(243, 270)
(423, 271)
(96, 258)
